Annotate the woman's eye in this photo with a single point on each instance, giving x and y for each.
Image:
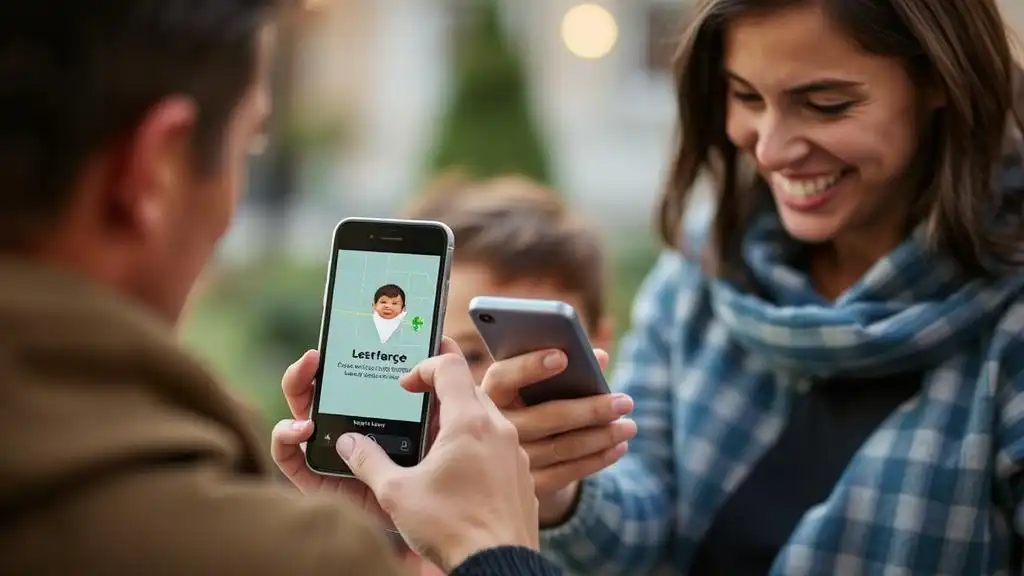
(830, 109)
(745, 96)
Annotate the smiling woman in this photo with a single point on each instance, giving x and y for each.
(827, 373)
(834, 143)
(837, 134)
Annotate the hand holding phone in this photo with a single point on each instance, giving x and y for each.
(472, 492)
(568, 422)
(512, 327)
(383, 307)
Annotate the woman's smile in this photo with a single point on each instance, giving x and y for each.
(808, 192)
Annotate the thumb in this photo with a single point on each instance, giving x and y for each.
(367, 460)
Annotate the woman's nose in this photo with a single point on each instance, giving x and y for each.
(779, 145)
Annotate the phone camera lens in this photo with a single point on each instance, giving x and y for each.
(487, 319)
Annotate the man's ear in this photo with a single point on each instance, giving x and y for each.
(155, 162)
(604, 334)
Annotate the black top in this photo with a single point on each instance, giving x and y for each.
(506, 561)
(826, 427)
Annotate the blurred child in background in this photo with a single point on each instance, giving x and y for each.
(513, 237)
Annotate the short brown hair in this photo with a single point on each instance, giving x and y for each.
(963, 46)
(519, 230)
(69, 94)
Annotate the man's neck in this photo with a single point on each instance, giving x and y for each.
(103, 266)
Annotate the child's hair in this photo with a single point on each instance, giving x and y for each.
(518, 230)
(391, 291)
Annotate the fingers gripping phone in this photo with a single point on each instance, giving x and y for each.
(384, 300)
(514, 326)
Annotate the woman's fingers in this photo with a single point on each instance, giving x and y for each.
(505, 378)
(554, 478)
(560, 416)
(578, 444)
(566, 440)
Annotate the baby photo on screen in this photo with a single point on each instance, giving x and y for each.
(388, 310)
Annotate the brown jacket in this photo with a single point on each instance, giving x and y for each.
(119, 454)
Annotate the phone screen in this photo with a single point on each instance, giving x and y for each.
(382, 316)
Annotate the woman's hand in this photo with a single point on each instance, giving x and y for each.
(566, 440)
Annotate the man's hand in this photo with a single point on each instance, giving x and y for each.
(473, 491)
(289, 437)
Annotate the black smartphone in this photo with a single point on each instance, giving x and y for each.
(515, 326)
(384, 300)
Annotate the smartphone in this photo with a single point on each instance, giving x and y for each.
(515, 326)
(384, 300)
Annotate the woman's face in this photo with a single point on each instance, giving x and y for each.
(832, 129)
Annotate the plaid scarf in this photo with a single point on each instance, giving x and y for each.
(912, 310)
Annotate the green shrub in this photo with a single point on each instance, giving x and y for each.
(251, 323)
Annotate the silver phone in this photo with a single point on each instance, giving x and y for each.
(383, 309)
(514, 326)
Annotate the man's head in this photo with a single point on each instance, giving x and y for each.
(124, 132)
(389, 301)
(513, 238)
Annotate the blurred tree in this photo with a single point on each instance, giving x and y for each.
(294, 132)
(488, 128)
(274, 180)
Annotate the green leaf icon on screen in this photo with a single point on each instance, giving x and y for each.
(417, 323)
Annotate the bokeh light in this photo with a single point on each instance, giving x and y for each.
(589, 31)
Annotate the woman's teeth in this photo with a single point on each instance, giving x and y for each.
(806, 187)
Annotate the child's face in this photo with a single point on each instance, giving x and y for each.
(471, 280)
(388, 307)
